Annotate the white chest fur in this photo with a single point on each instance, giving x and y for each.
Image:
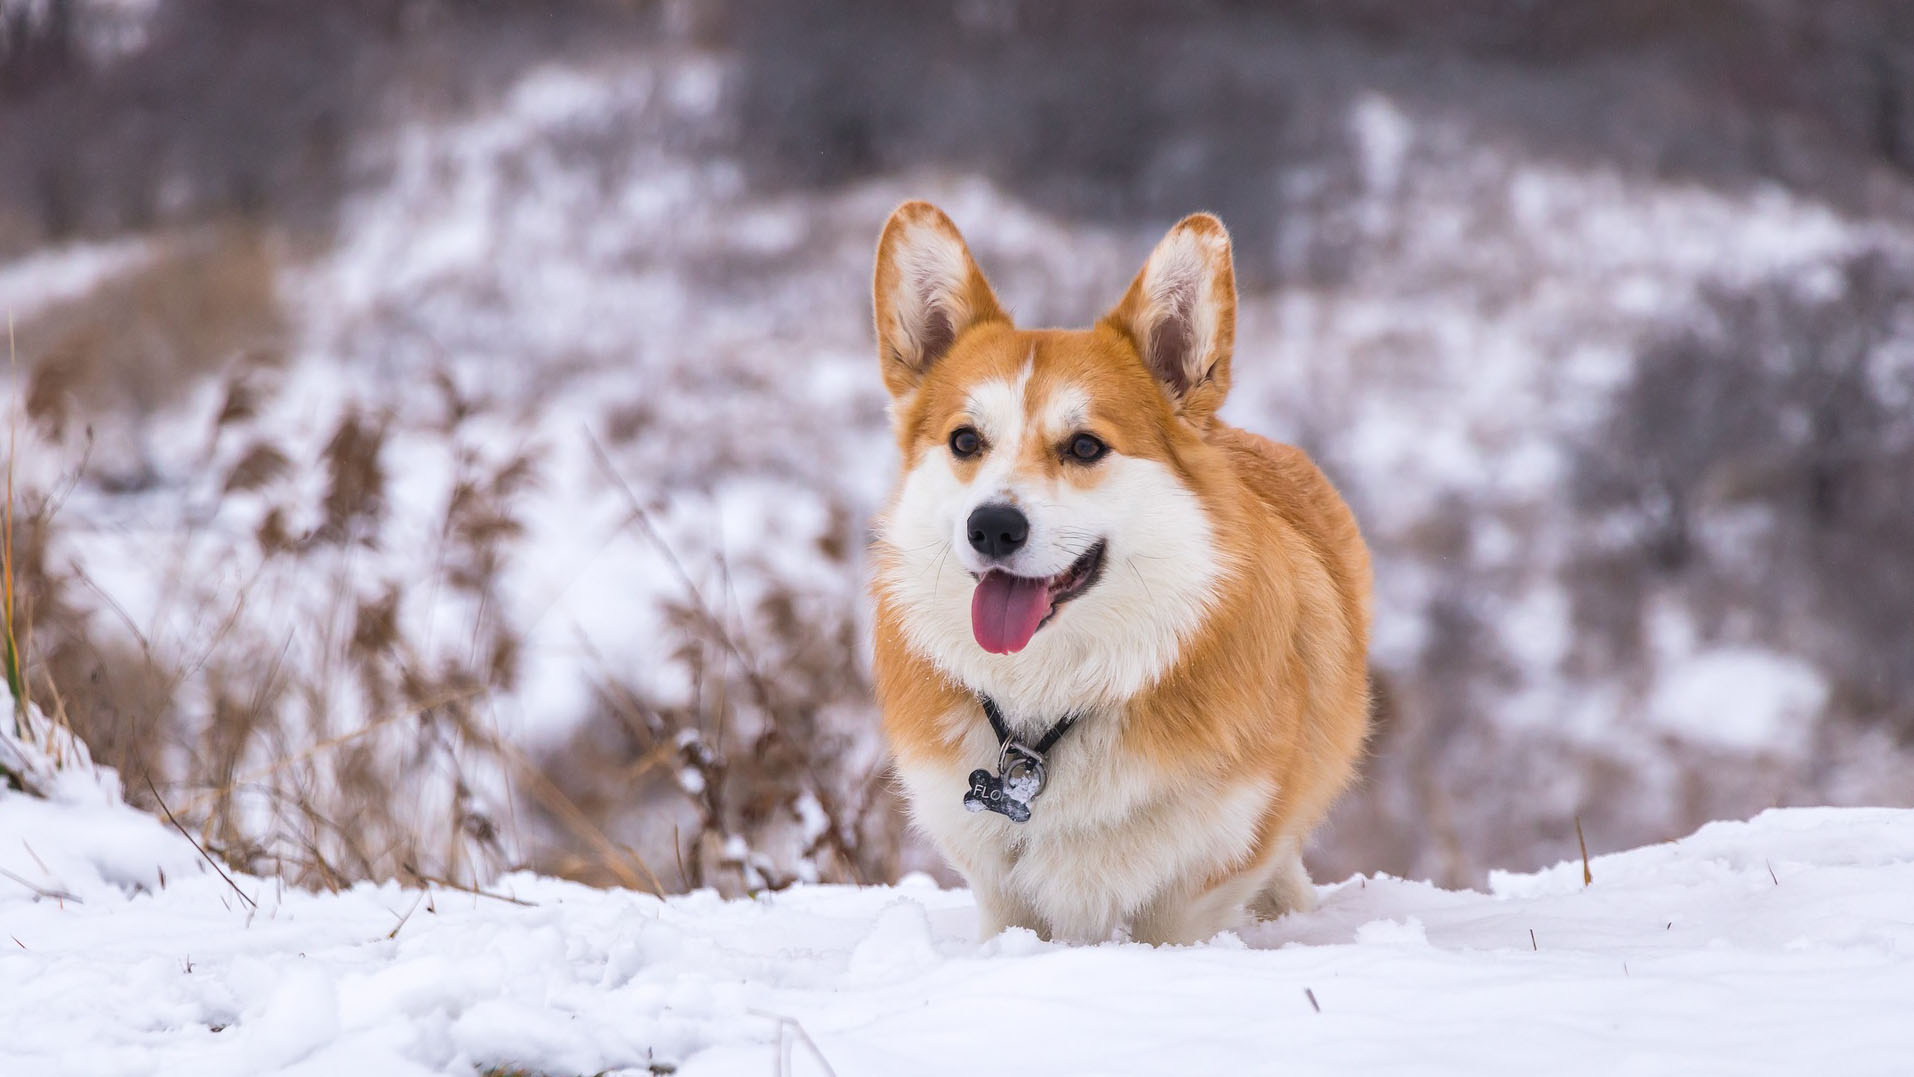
(1110, 836)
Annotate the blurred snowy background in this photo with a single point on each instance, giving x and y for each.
(444, 431)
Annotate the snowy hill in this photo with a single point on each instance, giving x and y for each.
(563, 430)
(1782, 944)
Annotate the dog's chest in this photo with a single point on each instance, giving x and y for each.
(1110, 832)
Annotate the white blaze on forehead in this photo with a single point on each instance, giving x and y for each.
(1067, 410)
(997, 407)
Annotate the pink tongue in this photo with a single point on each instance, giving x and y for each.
(1006, 610)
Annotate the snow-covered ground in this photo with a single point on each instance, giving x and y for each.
(1784, 944)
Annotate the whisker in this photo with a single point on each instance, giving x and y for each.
(1131, 561)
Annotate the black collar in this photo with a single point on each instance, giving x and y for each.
(1020, 776)
(1002, 728)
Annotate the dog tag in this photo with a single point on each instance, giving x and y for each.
(988, 793)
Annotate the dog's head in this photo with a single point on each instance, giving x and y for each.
(1050, 528)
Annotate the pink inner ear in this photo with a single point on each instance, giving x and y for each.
(1171, 338)
(935, 336)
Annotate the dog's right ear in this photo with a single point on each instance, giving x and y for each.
(927, 291)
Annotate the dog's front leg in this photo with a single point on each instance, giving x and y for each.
(1000, 907)
(1287, 889)
(1181, 916)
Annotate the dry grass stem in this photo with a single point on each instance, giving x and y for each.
(204, 855)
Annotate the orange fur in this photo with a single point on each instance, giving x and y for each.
(1270, 689)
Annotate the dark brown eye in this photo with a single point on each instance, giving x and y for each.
(964, 442)
(1087, 449)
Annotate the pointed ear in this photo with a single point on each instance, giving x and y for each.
(927, 292)
(1180, 313)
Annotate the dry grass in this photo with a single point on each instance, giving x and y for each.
(51, 739)
(753, 755)
(255, 750)
(142, 341)
(334, 739)
(16, 684)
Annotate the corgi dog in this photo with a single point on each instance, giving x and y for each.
(1121, 646)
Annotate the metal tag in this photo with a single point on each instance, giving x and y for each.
(987, 793)
(1019, 780)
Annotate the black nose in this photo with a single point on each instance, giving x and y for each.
(997, 530)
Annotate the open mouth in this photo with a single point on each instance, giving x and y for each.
(1006, 610)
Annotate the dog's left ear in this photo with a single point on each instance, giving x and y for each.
(1180, 313)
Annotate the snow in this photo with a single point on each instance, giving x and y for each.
(1740, 698)
(1382, 137)
(1783, 943)
(59, 274)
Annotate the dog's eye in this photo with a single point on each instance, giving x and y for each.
(964, 442)
(1086, 449)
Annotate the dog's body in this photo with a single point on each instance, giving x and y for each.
(1075, 533)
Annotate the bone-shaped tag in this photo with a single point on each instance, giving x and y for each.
(988, 793)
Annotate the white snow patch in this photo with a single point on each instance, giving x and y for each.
(1382, 135)
(54, 276)
(1392, 933)
(1740, 698)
